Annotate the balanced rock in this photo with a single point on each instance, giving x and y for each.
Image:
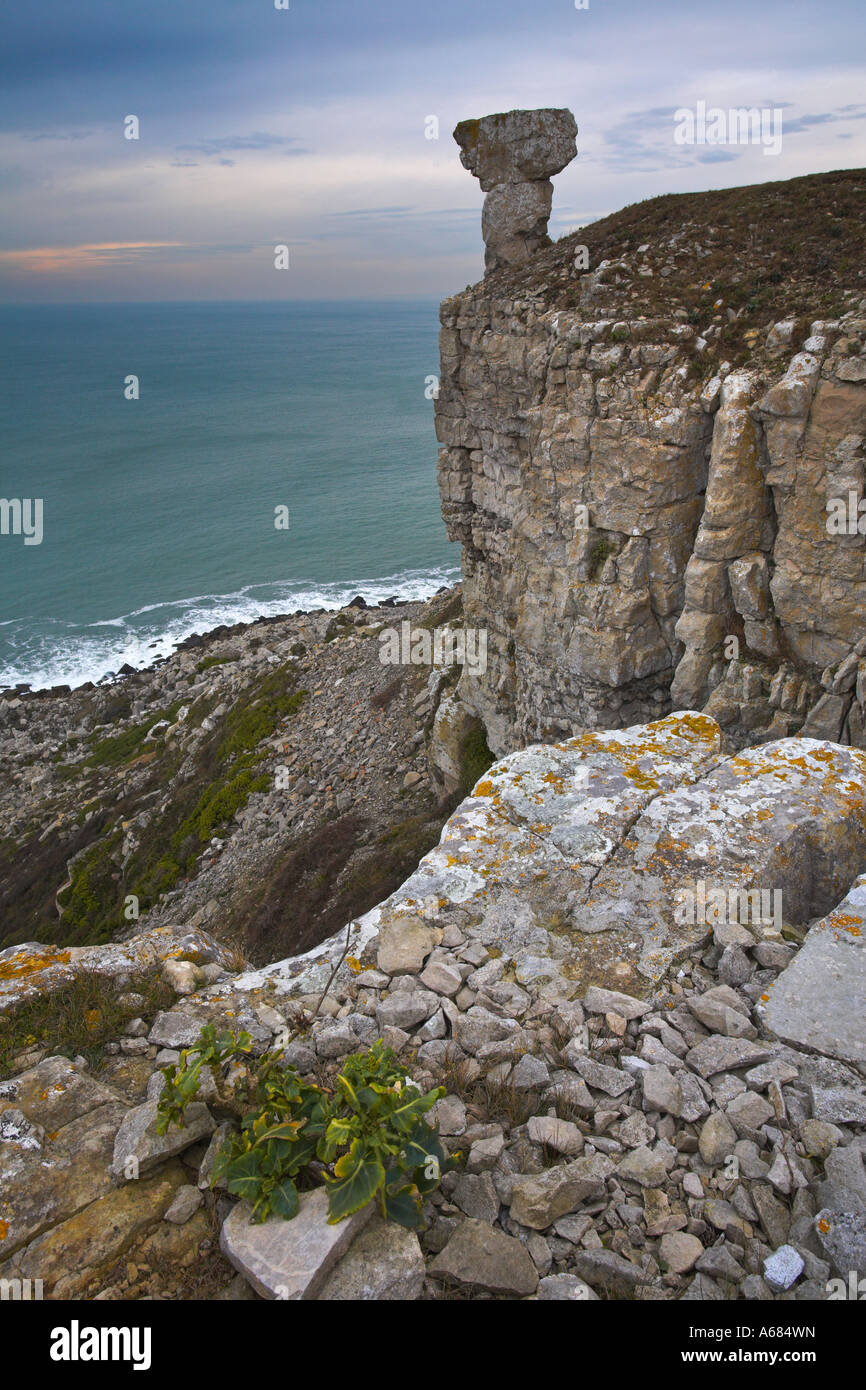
(513, 154)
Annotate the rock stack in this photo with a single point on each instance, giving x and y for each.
(513, 155)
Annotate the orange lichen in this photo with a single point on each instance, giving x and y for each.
(24, 963)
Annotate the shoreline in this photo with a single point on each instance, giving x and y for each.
(196, 640)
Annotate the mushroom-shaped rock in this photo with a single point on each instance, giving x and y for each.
(513, 154)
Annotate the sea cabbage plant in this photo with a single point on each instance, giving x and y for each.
(366, 1139)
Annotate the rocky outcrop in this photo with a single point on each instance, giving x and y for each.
(643, 474)
(513, 155)
(650, 1103)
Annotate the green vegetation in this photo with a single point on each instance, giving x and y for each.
(366, 1139)
(211, 661)
(91, 905)
(768, 251)
(122, 748)
(228, 770)
(598, 555)
(78, 1019)
(475, 758)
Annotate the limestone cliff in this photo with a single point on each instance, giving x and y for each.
(641, 460)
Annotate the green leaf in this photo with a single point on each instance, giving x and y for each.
(285, 1200)
(339, 1132)
(243, 1176)
(404, 1207)
(284, 1133)
(348, 1092)
(357, 1178)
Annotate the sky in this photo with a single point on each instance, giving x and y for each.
(308, 127)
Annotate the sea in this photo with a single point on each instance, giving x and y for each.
(208, 463)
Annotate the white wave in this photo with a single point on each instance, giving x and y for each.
(45, 653)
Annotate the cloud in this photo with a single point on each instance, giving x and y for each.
(259, 140)
(54, 260)
(717, 156)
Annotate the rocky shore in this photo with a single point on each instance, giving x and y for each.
(274, 775)
(628, 942)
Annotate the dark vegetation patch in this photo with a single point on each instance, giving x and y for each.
(334, 874)
(210, 661)
(475, 759)
(78, 1019)
(384, 698)
(228, 770)
(775, 250)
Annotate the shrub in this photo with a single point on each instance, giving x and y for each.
(367, 1139)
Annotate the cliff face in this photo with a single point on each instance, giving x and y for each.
(638, 460)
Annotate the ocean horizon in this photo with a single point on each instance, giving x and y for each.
(278, 456)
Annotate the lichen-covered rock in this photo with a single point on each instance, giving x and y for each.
(32, 971)
(138, 1149)
(819, 998)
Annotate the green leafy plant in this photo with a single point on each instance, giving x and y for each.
(367, 1139)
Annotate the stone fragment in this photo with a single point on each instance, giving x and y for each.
(717, 1139)
(175, 1029)
(530, 1074)
(600, 1077)
(478, 1026)
(541, 1199)
(481, 1256)
(560, 1135)
(607, 1270)
(662, 1091)
(565, 1288)
(406, 1008)
(783, 1268)
(818, 999)
(183, 976)
(441, 978)
(717, 1054)
(383, 1264)
(290, 1260)
(838, 1105)
(719, 1263)
(476, 1195)
(449, 1114)
(186, 1203)
(773, 1215)
(843, 1238)
(602, 1001)
(643, 1166)
(404, 945)
(484, 1153)
(719, 1018)
(138, 1149)
(679, 1251)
